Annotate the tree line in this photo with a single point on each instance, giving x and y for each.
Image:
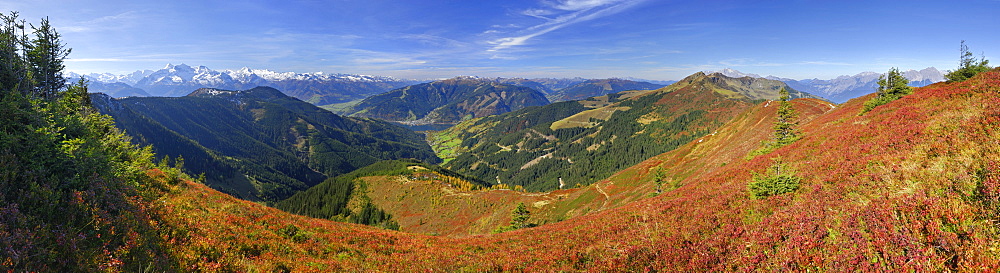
(31, 58)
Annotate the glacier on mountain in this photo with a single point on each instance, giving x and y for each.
(180, 79)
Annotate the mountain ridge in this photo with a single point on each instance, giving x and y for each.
(583, 141)
(845, 87)
(447, 101)
(262, 143)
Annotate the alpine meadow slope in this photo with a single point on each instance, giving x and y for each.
(911, 185)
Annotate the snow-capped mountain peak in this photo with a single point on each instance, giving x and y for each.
(843, 88)
(181, 79)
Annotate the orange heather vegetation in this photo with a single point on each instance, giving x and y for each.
(913, 185)
(431, 203)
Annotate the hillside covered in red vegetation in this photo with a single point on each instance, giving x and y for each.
(911, 185)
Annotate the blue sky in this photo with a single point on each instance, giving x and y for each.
(650, 39)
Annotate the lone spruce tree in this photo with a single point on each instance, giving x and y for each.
(45, 57)
(891, 86)
(518, 219)
(659, 177)
(968, 66)
(784, 127)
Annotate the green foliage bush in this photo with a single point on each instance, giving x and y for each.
(968, 66)
(776, 181)
(891, 86)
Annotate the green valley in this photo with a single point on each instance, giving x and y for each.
(260, 144)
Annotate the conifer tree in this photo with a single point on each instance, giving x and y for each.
(777, 180)
(13, 75)
(75, 98)
(784, 127)
(968, 66)
(519, 217)
(891, 86)
(45, 56)
(659, 177)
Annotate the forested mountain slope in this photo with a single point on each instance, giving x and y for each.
(447, 101)
(583, 141)
(259, 143)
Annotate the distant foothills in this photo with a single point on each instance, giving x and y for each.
(338, 92)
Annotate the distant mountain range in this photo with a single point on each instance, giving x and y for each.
(348, 89)
(544, 85)
(323, 89)
(565, 89)
(844, 88)
(599, 87)
(179, 80)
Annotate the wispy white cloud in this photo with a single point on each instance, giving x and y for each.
(116, 21)
(824, 63)
(746, 62)
(540, 13)
(433, 40)
(99, 60)
(576, 5)
(566, 13)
